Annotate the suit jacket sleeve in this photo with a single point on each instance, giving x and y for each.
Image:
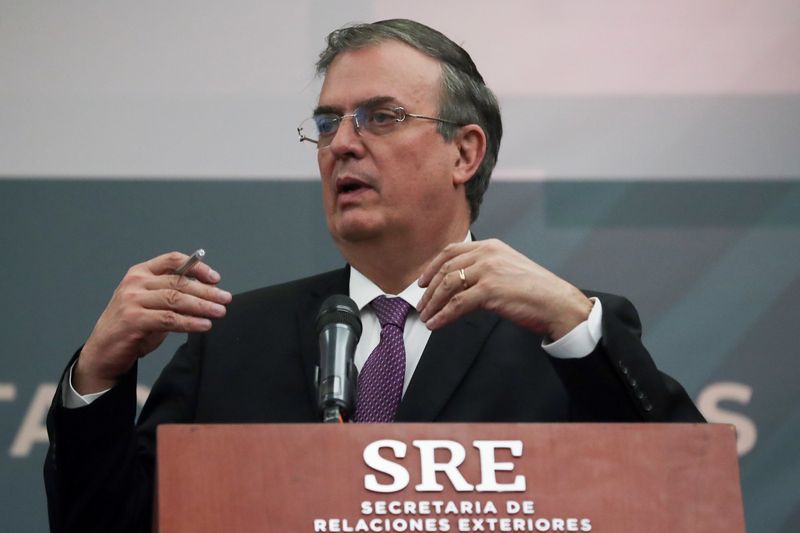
(619, 380)
(99, 468)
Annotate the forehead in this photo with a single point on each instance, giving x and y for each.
(390, 68)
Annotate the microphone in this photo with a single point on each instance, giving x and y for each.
(338, 328)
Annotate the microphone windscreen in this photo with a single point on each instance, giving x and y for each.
(339, 309)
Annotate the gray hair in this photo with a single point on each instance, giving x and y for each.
(464, 98)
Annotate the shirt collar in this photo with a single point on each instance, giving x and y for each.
(363, 290)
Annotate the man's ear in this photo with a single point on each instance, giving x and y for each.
(470, 141)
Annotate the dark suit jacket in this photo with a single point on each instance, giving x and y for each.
(257, 365)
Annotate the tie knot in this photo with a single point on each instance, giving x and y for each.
(391, 311)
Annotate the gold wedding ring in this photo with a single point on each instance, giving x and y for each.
(463, 276)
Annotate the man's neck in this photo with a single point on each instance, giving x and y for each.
(394, 263)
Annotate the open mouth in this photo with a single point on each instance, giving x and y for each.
(350, 185)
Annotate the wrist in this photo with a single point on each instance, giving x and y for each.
(87, 378)
(575, 311)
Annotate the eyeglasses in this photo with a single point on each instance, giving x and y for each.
(321, 128)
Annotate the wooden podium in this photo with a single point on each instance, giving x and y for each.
(299, 478)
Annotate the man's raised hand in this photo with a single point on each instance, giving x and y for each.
(493, 276)
(149, 302)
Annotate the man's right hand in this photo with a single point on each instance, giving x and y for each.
(150, 302)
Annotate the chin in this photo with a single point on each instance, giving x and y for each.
(356, 234)
(354, 229)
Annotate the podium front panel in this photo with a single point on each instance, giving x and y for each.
(296, 478)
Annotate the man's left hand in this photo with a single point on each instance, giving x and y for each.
(493, 276)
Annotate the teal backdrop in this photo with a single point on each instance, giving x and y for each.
(714, 269)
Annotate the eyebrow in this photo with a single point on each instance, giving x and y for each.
(369, 102)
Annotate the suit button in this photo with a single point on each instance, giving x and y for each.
(640, 394)
(633, 383)
(647, 406)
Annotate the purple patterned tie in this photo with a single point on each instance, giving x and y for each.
(380, 382)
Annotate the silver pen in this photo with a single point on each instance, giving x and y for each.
(195, 258)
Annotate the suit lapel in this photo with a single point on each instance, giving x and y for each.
(446, 359)
(335, 282)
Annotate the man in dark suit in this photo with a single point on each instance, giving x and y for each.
(407, 135)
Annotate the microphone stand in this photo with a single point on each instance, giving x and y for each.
(332, 415)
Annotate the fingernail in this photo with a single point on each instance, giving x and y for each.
(224, 295)
(214, 275)
(217, 310)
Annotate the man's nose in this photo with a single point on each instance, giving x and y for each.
(347, 139)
